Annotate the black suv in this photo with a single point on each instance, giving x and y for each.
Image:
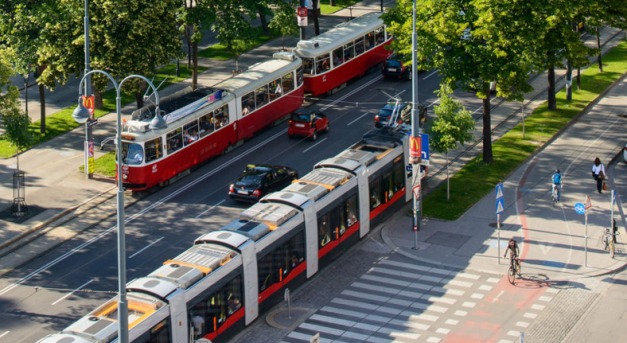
(259, 180)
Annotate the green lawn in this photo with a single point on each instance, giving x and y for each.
(476, 179)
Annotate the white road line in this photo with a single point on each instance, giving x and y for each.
(210, 208)
(72, 292)
(496, 298)
(313, 146)
(4, 334)
(358, 118)
(352, 92)
(146, 247)
(430, 74)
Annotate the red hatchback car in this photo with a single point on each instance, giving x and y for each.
(307, 123)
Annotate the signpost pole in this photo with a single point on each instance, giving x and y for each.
(500, 204)
(585, 254)
(498, 236)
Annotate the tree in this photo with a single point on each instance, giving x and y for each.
(192, 18)
(453, 125)
(132, 37)
(284, 20)
(20, 29)
(14, 120)
(471, 43)
(233, 28)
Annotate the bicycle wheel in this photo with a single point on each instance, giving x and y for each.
(611, 247)
(511, 274)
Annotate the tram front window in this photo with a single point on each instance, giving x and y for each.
(132, 153)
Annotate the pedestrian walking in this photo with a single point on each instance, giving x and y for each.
(598, 173)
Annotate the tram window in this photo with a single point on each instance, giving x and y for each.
(398, 175)
(388, 187)
(351, 210)
(322, 64)
(293, 252)
(308, 66)
(266, 272)
(276, 90)
(211, 312)
(359, 46)
(349, 51)
(174, 140)
(370, 40)
(379, 35)
(299, 77)
(153, 149)
(221, 116)
(190, 132)
(248, 103)
(159, 333)
(338, 57)
(287, 82)
(375, 194)
(324, 230)
(261, 94)
(132, 154)
(207, 124)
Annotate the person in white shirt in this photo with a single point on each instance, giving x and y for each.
(598, 173)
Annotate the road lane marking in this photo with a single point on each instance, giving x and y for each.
(210, 208)
(4, 334)
(313, 146)
(358, 118)
(146, 247)
(496, 298)
(72, 292)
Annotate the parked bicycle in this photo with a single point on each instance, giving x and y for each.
(609, 239)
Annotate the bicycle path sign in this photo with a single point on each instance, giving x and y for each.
(580, 208)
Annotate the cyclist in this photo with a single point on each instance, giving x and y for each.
(557, 182)
(512, 248)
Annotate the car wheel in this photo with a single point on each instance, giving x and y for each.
(328, 128)
(314, 136)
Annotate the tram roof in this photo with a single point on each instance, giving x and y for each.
(63, 338)
(261, 73)
(338, 36)
(271, 214)
(204, 257)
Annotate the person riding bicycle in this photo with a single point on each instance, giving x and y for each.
(512, 248)
(557, 182)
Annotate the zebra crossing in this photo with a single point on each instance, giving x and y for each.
(397, 301)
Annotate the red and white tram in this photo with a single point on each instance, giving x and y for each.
(207, 122)
(232, 275)
(347, 51)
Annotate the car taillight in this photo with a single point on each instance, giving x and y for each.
(257, 193)
(231, 189)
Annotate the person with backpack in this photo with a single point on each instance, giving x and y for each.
(557, 183)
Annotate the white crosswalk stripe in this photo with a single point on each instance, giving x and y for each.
(397, 301)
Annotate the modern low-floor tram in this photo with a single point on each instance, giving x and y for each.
(230, 276)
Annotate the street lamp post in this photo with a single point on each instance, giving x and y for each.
(81, 115)
(415, 131)
(89, 144)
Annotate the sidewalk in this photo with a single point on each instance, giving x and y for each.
(553, 247)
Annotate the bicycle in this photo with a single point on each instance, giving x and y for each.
(514, 269)
(610, 242)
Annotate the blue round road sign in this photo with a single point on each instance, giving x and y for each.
(580, 208)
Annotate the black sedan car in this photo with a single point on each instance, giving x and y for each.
(394, 68)
(259, 180)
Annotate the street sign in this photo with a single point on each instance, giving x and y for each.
(580, 208)
(424, 148)
(500, 200)
(499, 191)
(500, 204)
(414, 150)
(588, 202)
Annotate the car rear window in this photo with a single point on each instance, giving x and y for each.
(300, 117)
(393, 63)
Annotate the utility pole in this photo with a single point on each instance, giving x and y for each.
(89, 140)
(415, 132)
